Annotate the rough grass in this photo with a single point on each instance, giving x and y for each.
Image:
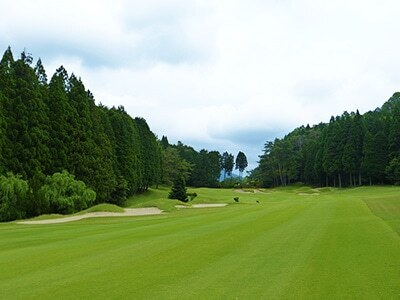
(287, 246)
(388, 209)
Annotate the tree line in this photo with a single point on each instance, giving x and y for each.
(198, 168)
(350, 150)
(51, 126)
(61, 152)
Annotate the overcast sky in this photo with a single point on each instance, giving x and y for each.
(220, 75)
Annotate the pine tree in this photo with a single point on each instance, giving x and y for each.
(127, 149)
(241, 162)
(333, 149)
(164, 142)
(150, 154)
(60, 116)
(227, 163)
(27, 124)
(178, 190)
(40, 72)
(375, 156)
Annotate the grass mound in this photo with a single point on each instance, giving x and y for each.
(325, 189)
(153, 198)
(102, 207)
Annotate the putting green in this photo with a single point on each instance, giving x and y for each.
(294, 243)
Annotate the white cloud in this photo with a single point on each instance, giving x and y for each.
(218, 73)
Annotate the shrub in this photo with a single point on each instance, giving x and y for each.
(13, 197)
(66, 195)
(393, 170)
(118, 196)
(236, 199)
(191, 196)
(178, 190)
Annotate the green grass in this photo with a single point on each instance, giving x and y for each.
(103, 207)
(340, 244)
(97, 208)
(388, 209)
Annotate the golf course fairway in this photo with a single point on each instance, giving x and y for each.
(294, 243)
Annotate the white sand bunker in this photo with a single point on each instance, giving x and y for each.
(248, 191)
(308, 194)
(242, 191)
(129, 212)
(202, 205)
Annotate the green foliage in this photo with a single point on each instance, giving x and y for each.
(150, 155)
(164, 142)
(66, 195)
(49, 127)
(230, 183)
(13, 197)
(241, 162)
(178, 190)
(191, 196)
(393, 170)
(375, 156)
(120, 193)
(350, 150)
(173, 166)
(227, 163)
(207, 169)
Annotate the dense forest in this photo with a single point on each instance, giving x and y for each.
(350, 150)
(60, 152)
(52, 126)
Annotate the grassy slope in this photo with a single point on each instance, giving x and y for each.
(289, 246)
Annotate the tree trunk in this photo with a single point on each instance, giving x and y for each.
(354, 180)
(370, 180)
(351, 181)
(334, 181)
(340, 181)
(359, 178)
(326, 181)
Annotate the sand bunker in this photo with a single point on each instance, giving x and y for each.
(243, 192)
(308, 194)
(128, 213)
(255, 191)
(202, 205)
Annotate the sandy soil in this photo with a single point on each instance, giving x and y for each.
(128, 213)
(202, 205)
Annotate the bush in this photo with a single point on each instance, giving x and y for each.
(13, 197)
(236, 199)
(66, 195)
(178, 190)
(230, 183)
(191, 196)
(118, 196)
(393, 170)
